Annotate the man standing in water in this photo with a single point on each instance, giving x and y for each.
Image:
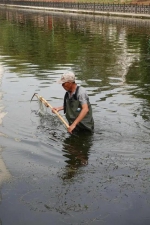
(76, 104)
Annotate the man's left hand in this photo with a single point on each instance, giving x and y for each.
(71, 128)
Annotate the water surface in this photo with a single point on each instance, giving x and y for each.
(57, 178)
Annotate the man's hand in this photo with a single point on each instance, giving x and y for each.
(71, 128)
(80, 117)
(57, 109)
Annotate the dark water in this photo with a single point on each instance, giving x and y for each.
(55, 178)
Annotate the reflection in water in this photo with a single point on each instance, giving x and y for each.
(76, 150)
(4, 173)
(76, 39)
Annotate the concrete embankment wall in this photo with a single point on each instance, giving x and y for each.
(79, 11)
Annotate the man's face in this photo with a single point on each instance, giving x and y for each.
(67, 86)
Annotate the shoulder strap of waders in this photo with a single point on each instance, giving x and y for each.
(75, 95)
(66, 96)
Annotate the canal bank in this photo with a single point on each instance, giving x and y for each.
(4, 173)
(80, 11)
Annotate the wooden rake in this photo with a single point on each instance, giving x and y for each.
(48, 105)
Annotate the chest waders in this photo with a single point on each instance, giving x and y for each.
(72, 108)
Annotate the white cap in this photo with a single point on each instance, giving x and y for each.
(68, 76)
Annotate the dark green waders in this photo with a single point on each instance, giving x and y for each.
(72, 108)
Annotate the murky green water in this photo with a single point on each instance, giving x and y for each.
(56, 178)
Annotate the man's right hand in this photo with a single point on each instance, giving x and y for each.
(57, 109)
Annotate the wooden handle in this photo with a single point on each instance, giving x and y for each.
(48, 105)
